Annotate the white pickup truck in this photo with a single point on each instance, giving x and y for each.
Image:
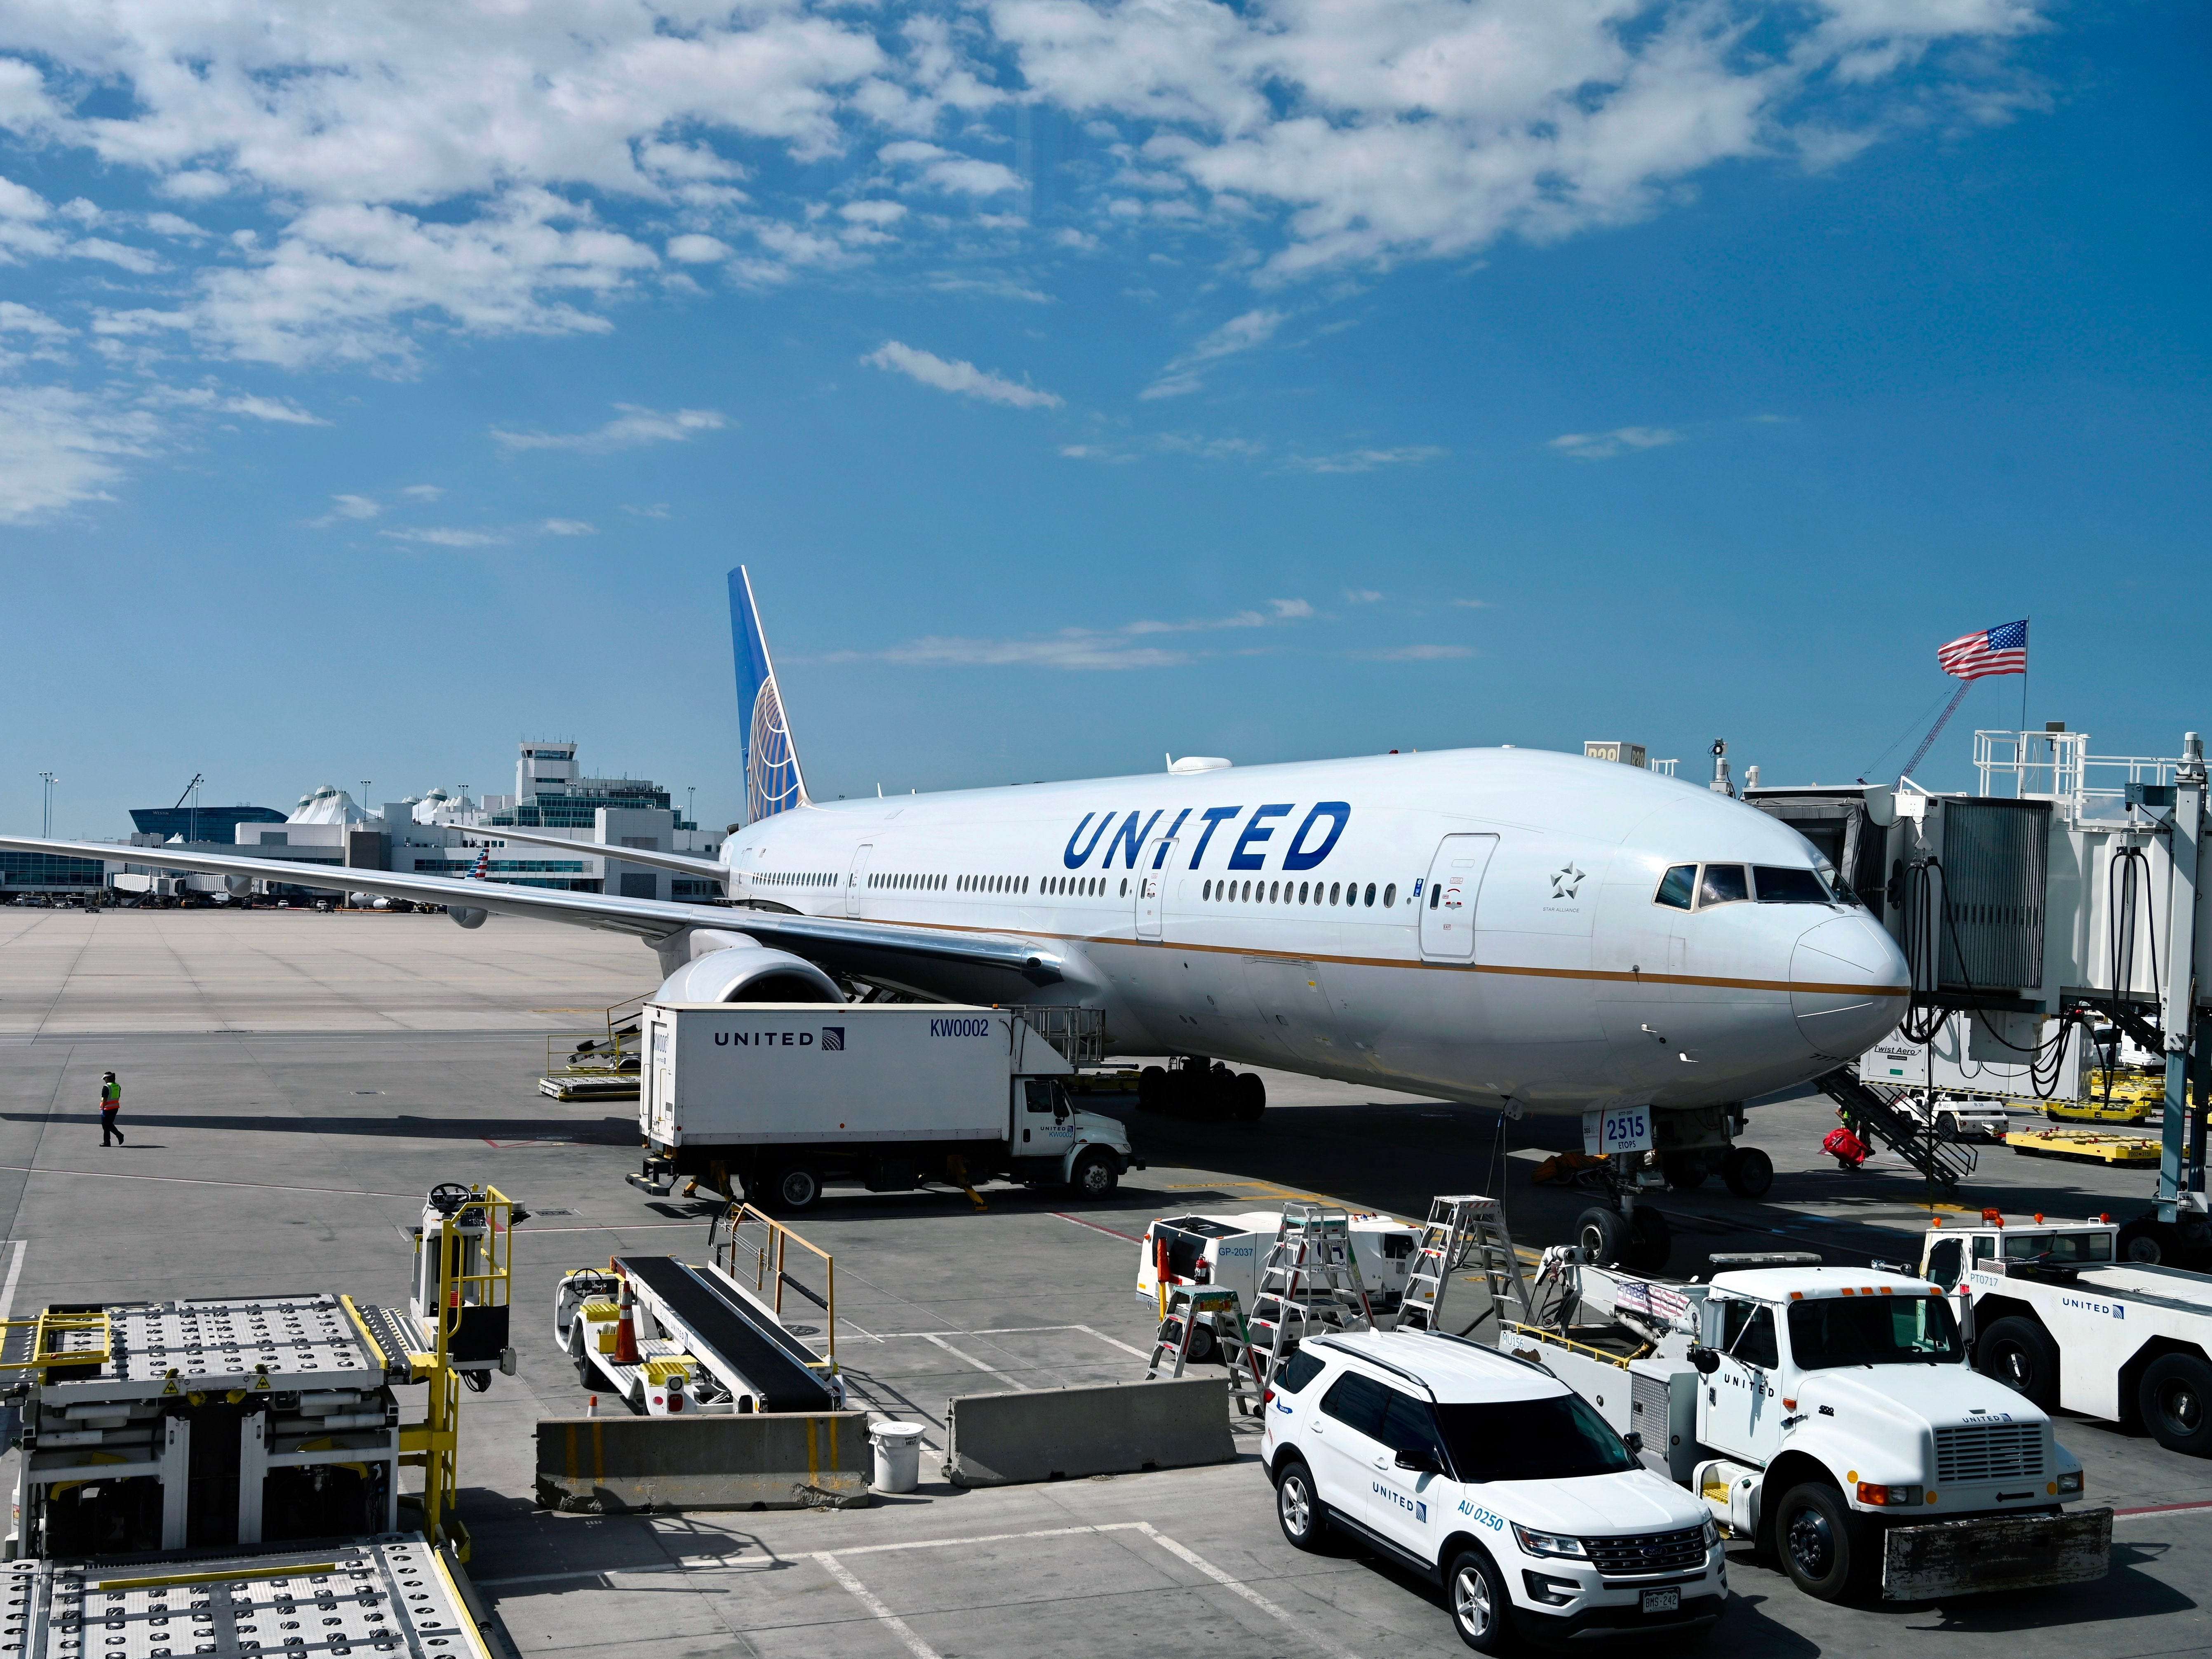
(2054, 1315)
(1829, 1415)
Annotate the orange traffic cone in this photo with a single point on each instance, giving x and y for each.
(626, 1328)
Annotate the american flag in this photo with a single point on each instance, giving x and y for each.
(1990, 651)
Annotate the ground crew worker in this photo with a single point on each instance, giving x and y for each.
(111, 1102)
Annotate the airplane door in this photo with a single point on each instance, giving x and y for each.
(856, 884)
(1152, 884)
(1448, 901)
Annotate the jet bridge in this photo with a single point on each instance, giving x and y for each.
(2065, 894)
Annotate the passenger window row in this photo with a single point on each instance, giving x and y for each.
(1688, 886)
(890, 881)
(1282, 893)
(794, 878)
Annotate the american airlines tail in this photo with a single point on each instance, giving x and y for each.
(774, 783)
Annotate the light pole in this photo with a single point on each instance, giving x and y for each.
(691, 804)
(46, 823)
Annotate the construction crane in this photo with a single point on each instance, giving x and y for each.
(1937, 730)
(198, 778)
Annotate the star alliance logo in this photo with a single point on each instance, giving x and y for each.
(1566, 883)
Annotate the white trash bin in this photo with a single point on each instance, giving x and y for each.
(898, 1455)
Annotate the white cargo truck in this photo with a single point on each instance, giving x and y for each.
(786, 1097)
(2054, 1315)
(1829, 1415)
(1230, 1249)
(1967, 1058)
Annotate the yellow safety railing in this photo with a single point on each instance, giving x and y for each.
(435, 1442)
(1573, 1347)
(51, 1331)
(759, 1246)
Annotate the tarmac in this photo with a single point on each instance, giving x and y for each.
(294, 1083)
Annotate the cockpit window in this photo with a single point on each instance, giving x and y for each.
(1724, 884)
(1778, 885)
(1678, 886)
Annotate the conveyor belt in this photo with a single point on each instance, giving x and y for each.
(770, 1358)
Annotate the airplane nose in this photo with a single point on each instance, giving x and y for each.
(1839, 973)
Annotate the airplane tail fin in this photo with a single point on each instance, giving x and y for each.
(774, 783)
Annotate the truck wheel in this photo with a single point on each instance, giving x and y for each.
(1250, 1097)
(1152, 1089)
(2145, 1242)
(1649, 1240)
(798, 1188)
(1298, 1509)
(1686, 1171)
(1748, 1171)
(2019, 1352)
(1482, 1612)
(1818, 1541)
(1946, 1128)
(1604, 1237)
(2174, 1396)
(1094, 1175)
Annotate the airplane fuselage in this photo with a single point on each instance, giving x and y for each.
(1483, 925)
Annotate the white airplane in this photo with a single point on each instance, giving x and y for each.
(1498, 926)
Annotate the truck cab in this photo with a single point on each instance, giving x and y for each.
(1850, 1431)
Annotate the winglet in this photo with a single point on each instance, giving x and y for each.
(774, 783)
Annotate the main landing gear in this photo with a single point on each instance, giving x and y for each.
(1191, 1085)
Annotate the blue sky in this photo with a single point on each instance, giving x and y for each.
(1084, 382)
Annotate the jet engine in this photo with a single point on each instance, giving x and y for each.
(748, 973)
(467, 915)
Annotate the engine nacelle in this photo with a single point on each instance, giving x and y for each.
(748, 973)
(467, 915)
(239, 886)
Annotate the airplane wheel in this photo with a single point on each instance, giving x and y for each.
(1686, 1171)
(1152, 1089)
(1249, 1098)
(1649, 1240)
(1748, 1171)
(1604, 1237)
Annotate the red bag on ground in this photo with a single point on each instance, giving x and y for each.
(1846, 1148)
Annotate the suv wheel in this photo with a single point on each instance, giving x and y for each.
(1298, 1509)
(1480, 1612)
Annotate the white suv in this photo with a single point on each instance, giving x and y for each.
(1494, 1478)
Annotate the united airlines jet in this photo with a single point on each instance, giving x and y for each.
(1501, 927)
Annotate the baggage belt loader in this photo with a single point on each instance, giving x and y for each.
(1828, 1415)
(2054, 1313)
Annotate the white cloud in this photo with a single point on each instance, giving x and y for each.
(1081, 647)
(1472, 604)
(457, 538)
(1365, 460)
(1414, 654)
(568, 527)
(1602, 446)
(422, 492)
(59, 447)
(633, 425)
(15, 319)
(1181, 375)
(348, 507)
(954, 375)
(280, 410)
(697, 250)
(941, 169)
(1362, 596)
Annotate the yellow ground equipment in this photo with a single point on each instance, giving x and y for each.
(2084, 1147)
(2132, 1098)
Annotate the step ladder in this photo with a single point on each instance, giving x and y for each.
(1185, 1304)
(1872, 1113)
(1464, 1230)
(1310, 1286)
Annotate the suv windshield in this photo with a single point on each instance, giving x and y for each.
(1554, 1439)
(1887, 1330)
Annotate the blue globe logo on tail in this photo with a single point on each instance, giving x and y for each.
(774, 783)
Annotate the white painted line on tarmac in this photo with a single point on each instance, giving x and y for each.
(866, 1598)
(1181, 1552)
(187, 1180)
(972, 1359)
(14, 1273)
(1184, 1553)
(1111, 1341)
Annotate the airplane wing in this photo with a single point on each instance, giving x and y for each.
(870, 947)
(684, 864)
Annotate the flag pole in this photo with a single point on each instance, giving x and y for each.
(2024, 631)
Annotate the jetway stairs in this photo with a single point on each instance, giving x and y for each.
(1872, 1112)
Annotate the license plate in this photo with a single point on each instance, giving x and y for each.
(1663, 1601)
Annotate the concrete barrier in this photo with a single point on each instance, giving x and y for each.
(1063, 1434)
(769, 1460)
